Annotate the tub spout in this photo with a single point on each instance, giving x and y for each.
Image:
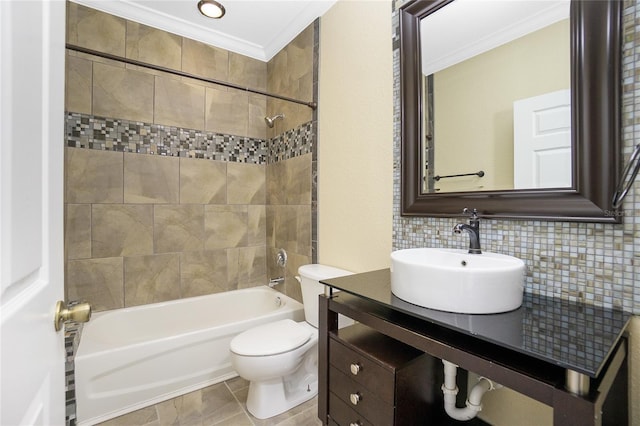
(275, 281)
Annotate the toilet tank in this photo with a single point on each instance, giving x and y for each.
(310, 276)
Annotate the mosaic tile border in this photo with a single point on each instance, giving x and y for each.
(292, 143)
(114, 134)
(589, 262)
(72, 332)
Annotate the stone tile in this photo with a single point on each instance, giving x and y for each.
(98, 281)
(225, 226)
(95, 30)
(151, 279)
(272, 215)
(227, 111)
(282, 226)
(77, 231)
(93, 176)
(177, 103)
(290, 73)
(151, 179)
(291, 286)
(247, 72)
(203, 181)
(290, 181)
(233, 268)
(237, 420)
(276, 174)
(121, 230)
(178, 228)
(122, 93)
(237, 383)
(252, 266)
(203, 272)
(205, 60)
(257, 128)
(298, 180)
(79, 75)
(257, 225)
(147, 416)
(154, 46)
(288, 417)
(308, 417)
(303, 230)
(246, 183)
(218, 402)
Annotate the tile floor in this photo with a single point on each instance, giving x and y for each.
(220, 404)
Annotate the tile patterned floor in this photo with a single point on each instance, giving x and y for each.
(221, 404)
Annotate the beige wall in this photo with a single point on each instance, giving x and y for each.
(473, 103)
(354, 172)
(355, 136)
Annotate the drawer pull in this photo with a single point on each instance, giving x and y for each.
(355, 368)
(355, 398)
(356, 423)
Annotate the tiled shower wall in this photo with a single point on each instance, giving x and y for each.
(598, 263)
(174, 187)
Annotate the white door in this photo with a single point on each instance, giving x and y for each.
(32, 357)
(542, 141)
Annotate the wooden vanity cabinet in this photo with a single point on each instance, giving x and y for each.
(376, 380)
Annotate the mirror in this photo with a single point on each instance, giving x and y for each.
(585, 190)
(497, 104)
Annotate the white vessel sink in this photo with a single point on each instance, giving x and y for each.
(453, 280)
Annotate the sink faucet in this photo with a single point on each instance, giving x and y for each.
(473, 229)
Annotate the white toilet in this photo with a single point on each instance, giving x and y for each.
(280, 359)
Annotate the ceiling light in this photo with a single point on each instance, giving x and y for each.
(211, 9)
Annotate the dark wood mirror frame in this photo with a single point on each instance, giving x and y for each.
(596, 103)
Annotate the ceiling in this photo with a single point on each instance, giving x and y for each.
(479, 26)
(255, 28)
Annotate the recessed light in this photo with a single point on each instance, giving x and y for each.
(211, 9)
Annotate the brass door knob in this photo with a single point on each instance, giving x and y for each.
(78, 313)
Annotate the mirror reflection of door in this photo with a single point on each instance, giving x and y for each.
(480, 67)
(542, 141)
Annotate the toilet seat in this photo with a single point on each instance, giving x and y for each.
(271, 339)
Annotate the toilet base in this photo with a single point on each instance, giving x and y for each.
(269, 398)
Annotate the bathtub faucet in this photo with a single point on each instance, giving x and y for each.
(275, 281)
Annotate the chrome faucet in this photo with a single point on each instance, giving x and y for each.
(473, 229)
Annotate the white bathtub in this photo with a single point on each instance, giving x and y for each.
(134, 357)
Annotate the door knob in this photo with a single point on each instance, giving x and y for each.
(78, 313)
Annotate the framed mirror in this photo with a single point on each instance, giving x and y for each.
(587, 184)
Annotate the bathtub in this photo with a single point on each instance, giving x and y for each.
(134, 357)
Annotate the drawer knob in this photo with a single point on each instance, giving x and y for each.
(355, 368)
(355, 398)
(356, 423)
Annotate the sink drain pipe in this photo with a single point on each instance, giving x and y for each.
(474, 399)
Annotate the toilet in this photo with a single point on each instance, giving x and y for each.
(280, 359)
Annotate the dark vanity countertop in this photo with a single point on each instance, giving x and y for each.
(571, 335)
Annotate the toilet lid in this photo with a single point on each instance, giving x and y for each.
(270, 339)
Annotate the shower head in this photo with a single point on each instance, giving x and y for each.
(271, 120)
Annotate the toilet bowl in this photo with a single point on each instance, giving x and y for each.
(280, 359)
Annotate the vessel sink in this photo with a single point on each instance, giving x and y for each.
(455, 281)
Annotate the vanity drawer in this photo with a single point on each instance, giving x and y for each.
(343, 415)
(360, 398)
(362, 369)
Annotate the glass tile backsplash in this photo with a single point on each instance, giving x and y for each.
(590, 262)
